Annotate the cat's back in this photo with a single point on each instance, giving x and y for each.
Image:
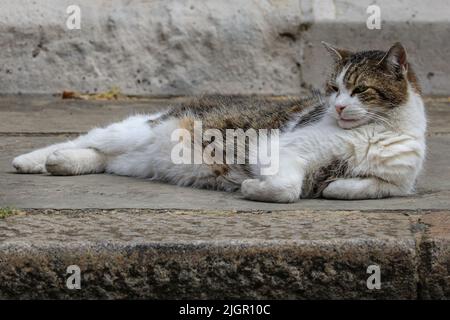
(245, 112)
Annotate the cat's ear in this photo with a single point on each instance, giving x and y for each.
(337, 53)
(395, 59)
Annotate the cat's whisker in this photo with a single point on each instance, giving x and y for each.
(376, 116)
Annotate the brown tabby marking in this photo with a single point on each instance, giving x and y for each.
(243, 112)
(386, 88)
(386, 85)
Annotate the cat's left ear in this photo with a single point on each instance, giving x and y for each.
(338, 54)
(396, 59)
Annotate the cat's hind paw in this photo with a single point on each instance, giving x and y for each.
(70, 162)
(29, 163)
(58, 164)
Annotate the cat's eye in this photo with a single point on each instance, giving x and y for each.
(359, 89)
(333, 87)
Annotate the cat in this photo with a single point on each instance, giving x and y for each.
(363, 139)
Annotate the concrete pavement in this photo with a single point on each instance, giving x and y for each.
(32, 122)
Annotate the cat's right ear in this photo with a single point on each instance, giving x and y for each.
(338, 54)
(395, 59)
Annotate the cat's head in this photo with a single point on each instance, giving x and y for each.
(366, 86)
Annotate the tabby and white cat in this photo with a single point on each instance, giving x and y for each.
(366, 139)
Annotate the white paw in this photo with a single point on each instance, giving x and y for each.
(255, 189)
(59, 164)
(33, 162)
(334, 191)
(250, 188)
(350, 189)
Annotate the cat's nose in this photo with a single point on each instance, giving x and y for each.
(340, 108)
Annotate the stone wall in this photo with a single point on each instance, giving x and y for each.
(174, 47)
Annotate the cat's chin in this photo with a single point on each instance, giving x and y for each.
(350, 124)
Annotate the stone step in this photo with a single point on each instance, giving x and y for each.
(174, 254)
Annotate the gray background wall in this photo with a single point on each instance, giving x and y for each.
(190, 47)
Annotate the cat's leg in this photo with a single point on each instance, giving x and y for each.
(34, 162)
(114, 139)
(283, 187)
(361, 188)
(68, 162)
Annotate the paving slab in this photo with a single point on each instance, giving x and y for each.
(182, 254)
(51, 114)
(179, 254)
(108, 191)
(34, 122)
(47, 114)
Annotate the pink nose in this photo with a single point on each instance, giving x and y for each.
(340, 108)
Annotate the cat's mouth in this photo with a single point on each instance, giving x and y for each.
(348, 120)
(348, 123)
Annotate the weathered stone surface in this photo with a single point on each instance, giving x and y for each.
(143, 254)
(437, 111)
(53, 227)
(35, 122)
(150, 47)
(51, 115)
(45, 114)
(421, 38)
(108, 191)
(191, 47)
(435, 257)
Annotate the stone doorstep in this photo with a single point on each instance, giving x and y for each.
(163, 254)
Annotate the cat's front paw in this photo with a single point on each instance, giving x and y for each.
(29, 163)
(257, 190)
(250, 188)
(332, 191)
(350, 189)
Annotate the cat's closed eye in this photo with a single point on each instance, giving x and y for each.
(359, 89)
(333, 87)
